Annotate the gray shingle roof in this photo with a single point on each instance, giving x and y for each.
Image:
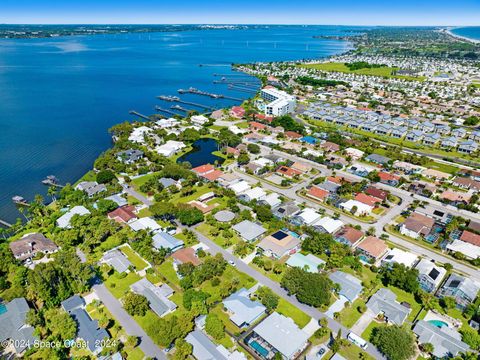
(249, 230)
(203, 347)
(245, 311)
(446, 342)
(156, 296)
(13, 326)
(167, 241)
(350, 286)
(384, 301)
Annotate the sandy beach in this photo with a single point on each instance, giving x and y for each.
(449, 32)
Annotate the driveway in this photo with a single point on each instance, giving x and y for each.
(128, 323)
(362, 323)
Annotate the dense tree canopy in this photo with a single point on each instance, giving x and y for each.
(394, 342)
(135, 304)
(310, 288)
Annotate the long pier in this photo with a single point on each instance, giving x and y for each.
(177, 99)
(133, 112)
(166, 111)
(241, 88)
(238, 75)
(6, 224)
(179, 108)
(205, 93)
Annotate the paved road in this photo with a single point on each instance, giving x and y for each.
(311, 311)
(406, 198)
(130, 191)
(128, 323)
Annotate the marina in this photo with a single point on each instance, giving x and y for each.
(133, 112)
(195, 91)
(177, 99)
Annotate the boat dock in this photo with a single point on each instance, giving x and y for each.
(5, 224)
(133, 112)
(205, 93)
(242, 88)
(179, 108)
(238, 75)
(177, 99)
(51, 180)
(20, 200)
(166, 111)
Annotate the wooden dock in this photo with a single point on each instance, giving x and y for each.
(5, 223)
(133, 112)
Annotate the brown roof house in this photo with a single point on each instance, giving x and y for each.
(372, 249)
(349, 236)
(417, 225)
(32, 244)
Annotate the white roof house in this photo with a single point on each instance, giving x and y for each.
(283, 334)
(239, 187)
(361, 208)
(145, 223)
(354, 153)
(170, 148)
(469, 250)
(308, 216)
(256, 193)
(328, 225)
(272, 199)
(400, 257)
(249, 230)
(243, 311)
(199, 119)
(64, 220)
(138, 134)
(430, 275)
(263, 162)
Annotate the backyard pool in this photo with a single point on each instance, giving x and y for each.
(438, 323)
(259, 348)
(3, 309)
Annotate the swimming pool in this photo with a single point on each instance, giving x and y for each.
(3, 309)
(438, 323)
(259, 348)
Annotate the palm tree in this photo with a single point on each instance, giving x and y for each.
(52, 191)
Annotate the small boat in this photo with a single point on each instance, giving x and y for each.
(17, 199)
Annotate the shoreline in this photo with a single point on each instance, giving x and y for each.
(448, 31)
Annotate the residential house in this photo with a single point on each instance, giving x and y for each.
(185, 255)
(242, 310)
(91, 188)
(467, 147)
(383, 302)
(117, 260)
(138, 134)
(157, 296)
(254, 194)
(288, 172)
(389, 179)
(354, 154)
(455, 197)
(367, 199)
(273, 331)
(285, 210)
(129, 156)
(381, 195)
(429, 275)
(237, 112)
(349, 236)
(29, 245)
(170, 148)
(199, 120)
(123, 214)
(450, 142)
(307, 216)
(248, 230)
(204, 349)
(145, 223)
(378, 159)
(302, 167)
(327, 225)
(356, 208)
(417, 225)
(87, 329)
(272, 200)
(371, 249)
(293, 135)
(414, 136)
(447, 342)
(464, 290)
(163, 240)
(317, 193)
(400, 257)
(350, 286)
(64, 220)
(279, 244)
(14, 326)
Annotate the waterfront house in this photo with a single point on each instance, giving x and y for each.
(199, 120)
(139, 134)
(129, 156)
(30, 245)
(170, 148)
(91, 188)
(237, 112)
(64, 220)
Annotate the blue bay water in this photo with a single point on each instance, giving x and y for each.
(468, 32)
(58, 97)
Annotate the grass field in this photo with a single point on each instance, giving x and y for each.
(350, 315)
(120, 286)
(383, 71)
(204, 228)
(368, 331)
(166, 269)
(298, 316)
(134, 258)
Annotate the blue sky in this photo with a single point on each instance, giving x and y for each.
(330, 12)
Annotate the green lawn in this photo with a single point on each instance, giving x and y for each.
(352, 352)
(383, 71)
(350, 315)
(229, 325)
(446, 168)
(298, 316)
(217, 127)
(199, 191)
(243, 125)
(166, 269)
(368, 331)
(144, 213)
(154, 278)
(137, 182)
(134, 258)
(230, 273)
(120, 286)
(204, 228)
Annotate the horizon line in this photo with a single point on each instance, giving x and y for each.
(238, 24)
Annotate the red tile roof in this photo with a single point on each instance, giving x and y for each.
(256, 125)
(213, 175)
(317, 193)
(384, 176)
(186, 255)
(293, 134)
(470, 238)
(203, 169)
(237, 111)
(285, 170)
(123, 214)
(350, 234)
(378, 193)
(366, 199)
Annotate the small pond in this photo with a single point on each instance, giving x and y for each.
(202, 153)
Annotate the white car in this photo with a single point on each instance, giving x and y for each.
(231, 262)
